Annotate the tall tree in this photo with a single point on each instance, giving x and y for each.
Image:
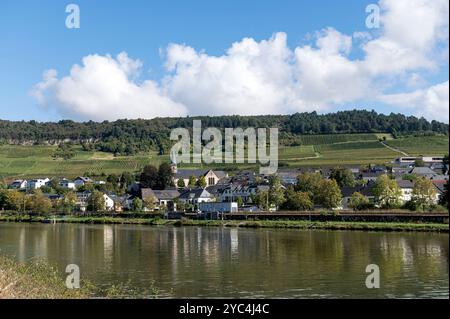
(343, 176)
(330, 195)
(69, 201)
(39, 203)
(181, 183)
(137, 204)
(261, 199)
(424, 193)
(165, 176)
(300, 201)
(201, 182)
(96, 202)
(15, 200)
(149, 177)
(192, 181)
(310, 183)
(387, 192)
(276, 194)
(358, 201)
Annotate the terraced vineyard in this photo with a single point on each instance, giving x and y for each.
(35, 161)
(336, 138)
(328, 150)
(428, 145)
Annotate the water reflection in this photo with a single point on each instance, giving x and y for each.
(230, 262)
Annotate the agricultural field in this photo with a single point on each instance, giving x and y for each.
(337, 138)
(329, 150)
(37, 161)
(426, 145)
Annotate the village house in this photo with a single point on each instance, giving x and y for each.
(406, 186)
(365, 190)
(370, 176)
(37, 183)
(162, 198)
(212, 177)
(19, 184)
(288, 177)
(82, 200)
(65, 183)
(423, 172)
(440, 188)
(245, 192)
(109, 203)
(195, 196)
(410, 160)
(80, 181)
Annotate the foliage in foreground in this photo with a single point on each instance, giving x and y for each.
(37, 279)
(34, 280)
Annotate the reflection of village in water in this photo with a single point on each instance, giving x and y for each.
(194, 261)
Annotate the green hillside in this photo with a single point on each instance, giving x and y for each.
(429, 145)
(327, 150)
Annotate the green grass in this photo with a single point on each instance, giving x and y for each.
(426, 145)
(317, 150)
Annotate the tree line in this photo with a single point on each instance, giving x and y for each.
(127, 137)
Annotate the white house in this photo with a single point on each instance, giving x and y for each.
(406, 187)
(37, 183)
(64, 183)
(196, 196)
(109, 203)
(19, 184)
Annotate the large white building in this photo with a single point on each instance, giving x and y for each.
(37, 183)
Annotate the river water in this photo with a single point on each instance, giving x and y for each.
(191, 262)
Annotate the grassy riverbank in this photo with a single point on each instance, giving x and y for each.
(34, 280)
(329, 225)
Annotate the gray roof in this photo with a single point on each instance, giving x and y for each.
(216, 189)
(365, 190)
(195, 193)
(405, 183)
(84, 179)
(371, 174)
(440, 185)
(440, 177)
(422, 171)
(166, 194)
(186, 173)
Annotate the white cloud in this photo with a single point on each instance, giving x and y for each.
(251, 78)
(102, 88)
(411, 30)
(268, 77)
(431, 103)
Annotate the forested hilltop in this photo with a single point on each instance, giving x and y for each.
(131, 136)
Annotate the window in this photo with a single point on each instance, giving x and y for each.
(211, 181)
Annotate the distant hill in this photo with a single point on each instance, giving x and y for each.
(128, 137)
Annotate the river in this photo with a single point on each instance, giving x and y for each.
(190, 262)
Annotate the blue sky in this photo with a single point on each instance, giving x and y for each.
(34, 39)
